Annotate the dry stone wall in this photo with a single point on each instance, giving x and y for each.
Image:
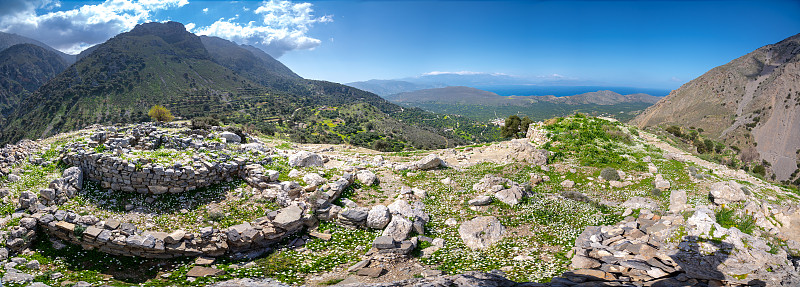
(119, 174)
(121, 238)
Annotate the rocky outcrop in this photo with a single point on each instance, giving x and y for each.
(305, 159)
(727, 192)
(524, 151)
(430, 161)
(505, 190)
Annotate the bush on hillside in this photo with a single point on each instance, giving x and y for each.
(160, 114)
(204, 123)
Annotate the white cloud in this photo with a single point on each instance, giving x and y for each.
(283, 28)
(463, 73)
(189, 26)
(71, 31)
(435, 73)
(205, 10)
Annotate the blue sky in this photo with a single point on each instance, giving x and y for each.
(658, 44)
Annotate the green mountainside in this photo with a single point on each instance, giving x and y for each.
(23, 69)
(162, 63)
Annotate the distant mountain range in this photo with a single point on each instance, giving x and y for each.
(391, 87)
(161, 63)
(473, 96)
(468, 79)
(484, 105)
(752, 102)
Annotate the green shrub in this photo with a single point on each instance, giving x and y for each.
(609, 174)
(204, 123)
(727, 218)
(160, 114)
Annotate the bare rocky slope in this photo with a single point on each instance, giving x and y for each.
(753, 103)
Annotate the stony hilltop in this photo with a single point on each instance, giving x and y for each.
(752, 103)
(581, 201)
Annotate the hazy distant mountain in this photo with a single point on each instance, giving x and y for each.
(469, 79)
(7, 40)
(472, 96)
(752, 103)
(390, 87)
(484, 105)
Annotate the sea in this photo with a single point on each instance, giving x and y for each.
(561, 91)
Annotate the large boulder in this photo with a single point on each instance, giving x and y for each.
(511, 196)
(430, 161)
(367, 177)
(661, 183)
(398, 229)
(230, 137)
(314, 179)
(378, 217)
(414, 210)
(28, 199)
(305, 159)
(74, 176)
(481, 232)
(490, 183)
(677, 201)
(727, 192)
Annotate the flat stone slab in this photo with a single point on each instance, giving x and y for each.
(199, 271)
(323, 236)
(204, 260)
(371, 272)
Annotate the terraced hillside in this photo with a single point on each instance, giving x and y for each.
(582, 200)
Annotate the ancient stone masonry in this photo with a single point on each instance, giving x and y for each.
(121, 238)
(113, 171)
(298, 205)
(12, 154)
(670, 251)
(113, 237)
(119, 174)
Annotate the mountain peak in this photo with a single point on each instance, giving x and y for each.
(159, 28)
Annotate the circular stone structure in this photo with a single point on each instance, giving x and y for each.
(119, 172)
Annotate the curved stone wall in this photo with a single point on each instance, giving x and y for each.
(119, 174)
(120, 238)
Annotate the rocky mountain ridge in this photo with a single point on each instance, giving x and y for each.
(752, 102)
